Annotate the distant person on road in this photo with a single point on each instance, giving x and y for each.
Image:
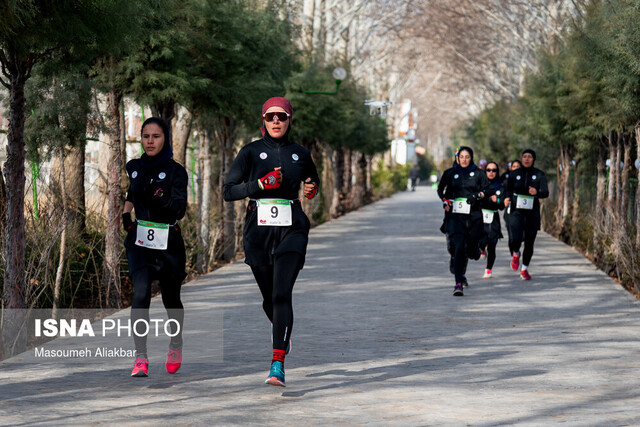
(269, 172)
(514, 165)
(155, 249)
(413, 174)
(466, 186)
(482, 164)
(491, 218)
(525, 187)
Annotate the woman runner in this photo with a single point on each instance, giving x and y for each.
(269, 171)
(525, 187)
(465, 187)
(515, 165)
(155, 249)
(491, 218)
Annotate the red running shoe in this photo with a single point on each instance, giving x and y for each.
(524, 275)
(515, 262)
(140, 367)
(174, 360)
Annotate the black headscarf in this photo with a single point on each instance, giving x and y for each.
(533, 153)
(495, 182)
(471, 166)
(166, 153)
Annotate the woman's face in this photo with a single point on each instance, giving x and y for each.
(527, 160)
(152, 139)
(515, 165)
(491, 170)
(464, 157)
(276, 127)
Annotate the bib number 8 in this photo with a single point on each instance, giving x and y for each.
(150, 235)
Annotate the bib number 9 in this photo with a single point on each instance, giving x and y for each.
(274, 212)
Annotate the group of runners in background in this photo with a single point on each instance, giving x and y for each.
(472, 197)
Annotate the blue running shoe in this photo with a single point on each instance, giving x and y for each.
(276, 375)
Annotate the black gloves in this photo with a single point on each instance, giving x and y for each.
(474, 198)
(127, 223)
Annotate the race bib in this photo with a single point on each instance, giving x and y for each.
(274, 212)
(487, 216)
(152, 235)
(524, 202)
(461, 206)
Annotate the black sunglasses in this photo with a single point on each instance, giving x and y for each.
(281, 115)
(492, 170)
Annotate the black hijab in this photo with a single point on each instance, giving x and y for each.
(471, 166)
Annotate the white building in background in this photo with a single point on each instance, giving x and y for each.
(403, 145)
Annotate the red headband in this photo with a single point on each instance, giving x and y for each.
(277, 101)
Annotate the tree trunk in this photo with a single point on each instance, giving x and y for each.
(560, 177)
(74, 171)
(624, 178)
(566, 190)
(575, 205)
(113, 246)
(360, 189)
(166, 111)
(637, 129)
(611, 187)
(348, 180)
(181, 130)
(3, 202)
(600, 196)
(619, 191)
(63, 237)
(13, 332)
(225, 141)
(204, 211)
(337, 202)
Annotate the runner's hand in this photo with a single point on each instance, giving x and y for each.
(127, 222)
(271, 180)
(533, 191)
(310, 189)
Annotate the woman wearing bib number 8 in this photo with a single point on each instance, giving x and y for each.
(490, 206)
(524, 187)
(269, 172)
(155, 249)
(466, 186)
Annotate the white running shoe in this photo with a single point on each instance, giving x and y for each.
(487, 274)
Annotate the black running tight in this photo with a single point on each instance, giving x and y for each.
(529, 239)
(491, 254)
(142, 279)
(276, 286)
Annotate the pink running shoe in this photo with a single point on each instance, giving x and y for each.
(487, 274)
(515, 262)
(174, 360)
(140, 367)
(524, 275)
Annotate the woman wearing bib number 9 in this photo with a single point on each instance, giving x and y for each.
(155, 249)
(524, 187)
(269, 172)
(466, 186)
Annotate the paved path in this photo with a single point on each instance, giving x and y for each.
(378, 339)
